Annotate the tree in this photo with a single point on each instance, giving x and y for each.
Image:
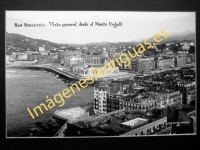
(161, 46)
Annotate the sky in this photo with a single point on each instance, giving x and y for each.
(136, 26)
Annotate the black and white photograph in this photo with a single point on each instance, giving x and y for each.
(100, 73)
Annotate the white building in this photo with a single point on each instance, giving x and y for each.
(22, 56)
(192, 44)
(7, 59)
(41, 49)
(76, 60)
(44, 53)
(105, 53)
(100, 97)
(85, 70)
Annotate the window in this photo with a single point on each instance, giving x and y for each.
(154, 129)
(79, 132)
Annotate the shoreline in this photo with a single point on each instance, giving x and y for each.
(117, 76)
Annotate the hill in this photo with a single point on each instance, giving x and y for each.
(176, 37)
(20, 42)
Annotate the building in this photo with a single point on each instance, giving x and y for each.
(45, 59)
(165, 63)
(67, 53)
(191, 43)
(76, 60)
(7, 59)
(180, 61)
(105, 53)
(192, 116)
(92, 60)
(102, 102)
(100, 99)
(88, 69)
(170, 97)
(142, 102)
(188, 74)
(168, 52)
(30, 56)
(183, 52)
(150, 85)
(145, 64)
(190, 58)
(160, 126)
(185, 47)
(129, 95)
(22, 56)
(141, 77)
(120, 123)
(188, 90)
(146, 101)
(81, 121)
(134, 65)
(77, 53)
(41, 49)
(186, 115)
(24, 62)
(44, 53)
(67, 61)
(140, 64)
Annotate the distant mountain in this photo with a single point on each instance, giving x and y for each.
(191, 36)
(133, 42)
(173, 37)
(23, 42)
(176, 37)
(17, 41)
(98, 43)
(111, 44)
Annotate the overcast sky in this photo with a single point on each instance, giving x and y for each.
(136, 26)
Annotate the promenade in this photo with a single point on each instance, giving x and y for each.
(78, 77)
(48, 67)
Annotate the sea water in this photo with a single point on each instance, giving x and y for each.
(27, 89)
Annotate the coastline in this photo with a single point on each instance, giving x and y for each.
(32, 90)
